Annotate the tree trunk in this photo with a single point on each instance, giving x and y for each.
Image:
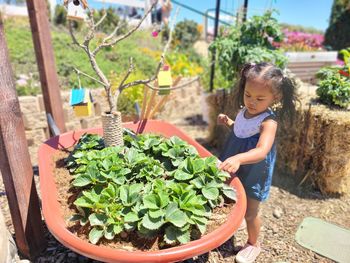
(112, 129)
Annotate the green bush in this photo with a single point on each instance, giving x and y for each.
(337, 34)
(60, 17)
(186, 33)
(334, 88)
(111, 21)
(249, 42)
(220, 81)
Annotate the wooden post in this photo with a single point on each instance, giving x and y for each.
(15, 165)
(39, 22)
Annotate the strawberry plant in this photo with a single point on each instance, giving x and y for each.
(334, 85)
(152, 186)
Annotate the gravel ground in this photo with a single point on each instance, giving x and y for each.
(281, 214)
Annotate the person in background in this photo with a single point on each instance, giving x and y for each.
(161, 13)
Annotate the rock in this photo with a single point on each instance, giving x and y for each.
(277, 213)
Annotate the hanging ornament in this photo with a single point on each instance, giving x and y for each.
(155, 33)
(156, 30)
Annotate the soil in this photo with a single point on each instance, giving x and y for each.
(67, 196)
(285, 209)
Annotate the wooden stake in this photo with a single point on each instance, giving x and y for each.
(150, 103)
(159, 105)
(15, 165)
(176, 81)
(144, 102)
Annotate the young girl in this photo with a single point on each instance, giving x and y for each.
(250, 151)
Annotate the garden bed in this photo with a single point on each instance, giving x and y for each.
(56, 220)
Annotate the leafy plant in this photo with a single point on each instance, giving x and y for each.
(334, 88)
(151, 186)
(186, 34)
(346, 55)
(249, 42)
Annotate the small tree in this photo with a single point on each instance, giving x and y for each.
(111, 120)
(337, 34)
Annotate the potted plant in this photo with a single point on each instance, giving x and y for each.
(56, 222)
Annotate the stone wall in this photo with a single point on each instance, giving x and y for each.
(35, 123)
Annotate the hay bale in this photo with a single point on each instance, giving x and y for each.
(315, 147)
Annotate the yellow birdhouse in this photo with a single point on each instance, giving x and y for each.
(164, 80)
(81, 101)
(76, 9)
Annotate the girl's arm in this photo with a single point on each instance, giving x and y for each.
(263, 147)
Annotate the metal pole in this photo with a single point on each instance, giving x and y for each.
(212, 72)
(245, 10)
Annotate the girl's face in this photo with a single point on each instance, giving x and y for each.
(258, 96)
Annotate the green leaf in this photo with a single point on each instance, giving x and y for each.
(211, 193)
(84, 202)
(151, 201)
(82, 180)
(152, 223)
(170, 236)
(112, 230)
(98, 219)
(182, 176)
(164, 199)
(131, 217)
(123, 193)
(184, 237)
(95, 235)
(110, 191)
(197, 182)
(156, 213)
(229, 192)
(176, 217)
(198, 165)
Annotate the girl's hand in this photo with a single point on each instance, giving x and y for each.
(230, 165)
(223, 119)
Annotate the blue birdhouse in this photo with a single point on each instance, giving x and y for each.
(81, 101)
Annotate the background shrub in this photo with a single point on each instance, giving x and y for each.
(249, 42)
(186, 33)
(334, 88)
(337, 34)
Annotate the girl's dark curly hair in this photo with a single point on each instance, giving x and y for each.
(280, 84)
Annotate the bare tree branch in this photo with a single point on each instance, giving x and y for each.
(112, 34)
(161, 61)
(101, 20)
(115, 41)
(130, 70)
(86, 75)
(75, 40)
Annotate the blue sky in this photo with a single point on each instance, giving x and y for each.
(314, 13)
